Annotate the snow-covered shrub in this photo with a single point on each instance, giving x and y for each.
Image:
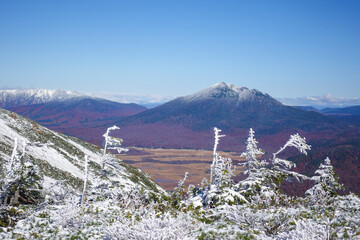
(60, 193)
(153, 226)
(305, 229)
(179, 192)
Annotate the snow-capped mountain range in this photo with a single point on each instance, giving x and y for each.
(17, 97)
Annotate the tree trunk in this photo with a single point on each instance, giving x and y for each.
(15, 199)
(6, 199)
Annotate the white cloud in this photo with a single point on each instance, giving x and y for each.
(321, 102)
(144, 100)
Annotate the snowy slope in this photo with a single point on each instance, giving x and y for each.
(61, 157)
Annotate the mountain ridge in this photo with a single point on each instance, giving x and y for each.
(65, 111)
(18, 97)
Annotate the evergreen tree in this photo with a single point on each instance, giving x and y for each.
(326, 183)
(255, 184)
(262, 186)
(251, 153)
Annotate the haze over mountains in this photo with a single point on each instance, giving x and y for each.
(353, 110)
(148, 101)
(321, 102)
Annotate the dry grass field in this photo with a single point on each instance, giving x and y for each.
(168, 166)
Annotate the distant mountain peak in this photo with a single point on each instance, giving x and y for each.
(230, 91)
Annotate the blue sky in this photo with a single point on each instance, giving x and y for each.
(284, 48)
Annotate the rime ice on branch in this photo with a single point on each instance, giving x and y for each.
(295, 141)
(283, 166)
(111, 143)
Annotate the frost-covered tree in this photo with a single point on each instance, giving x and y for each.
(223, 172)
(255, 183)
(23, 181)
(220, 189)
(13, 171)
(326, 183)
(179, 191)
(112, 143)
(216, 157)
(252, 152)
(221, 169)
(282, 167)
(262, 183)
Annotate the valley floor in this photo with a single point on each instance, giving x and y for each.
(168, 166)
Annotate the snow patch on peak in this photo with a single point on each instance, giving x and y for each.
(237, 89)
(227, 90)
(220, 85)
